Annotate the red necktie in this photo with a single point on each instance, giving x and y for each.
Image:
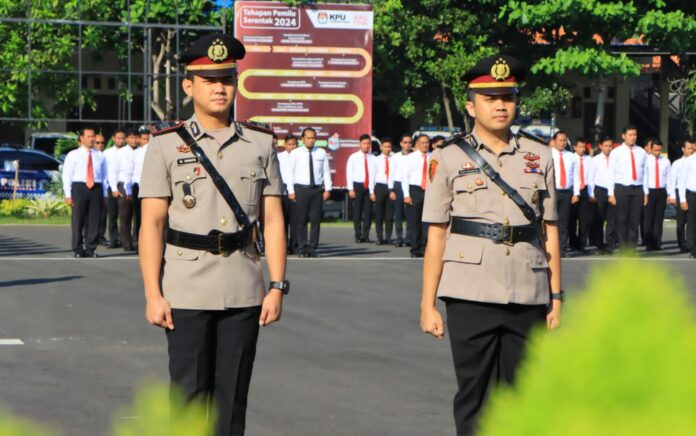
(424, 176)
(582, 174)
(563, 172)
(633, 165)
(386, 166)
(366, 184)
(90, 171)
(657, 173)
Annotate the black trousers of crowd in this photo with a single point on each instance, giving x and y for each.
(211, 354)
(691, 221)
(384, 213)
(564, 206)
(288, 206)
(112, 218)
(653, 218)
(629, 205)
(86, 214)
(400, 215)
(309, 206)
(582, 215)
(414, 214)
(605, 230)
(137, 202)
(682, 240)
(488, 343)
(362, 212)
(125, 219)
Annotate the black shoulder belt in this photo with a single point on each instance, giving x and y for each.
(495, 177)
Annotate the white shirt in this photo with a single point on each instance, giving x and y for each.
(587, 169)
(570, 162)
(397, 163)
(284, 163)
(126, 167)
(621, 171)
(138, 160)
(298, 173)
(674, 174)
(687, 178)
(650, 181)
(412, 173)
(355, 170)
(110, 156)
(384, 173)
(75, 169)
(600, 173)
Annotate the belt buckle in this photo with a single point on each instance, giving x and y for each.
(220, 241)
(509, 239)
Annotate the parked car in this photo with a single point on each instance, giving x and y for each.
(36, 171)
(46, 141)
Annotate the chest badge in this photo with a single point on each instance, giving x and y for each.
(532, 165)
(183, 148)
(189, 200)
(531, 157)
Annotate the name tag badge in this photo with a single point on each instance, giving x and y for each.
(468, 171)
(187, 160)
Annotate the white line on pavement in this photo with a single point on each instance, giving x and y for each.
(11, 342)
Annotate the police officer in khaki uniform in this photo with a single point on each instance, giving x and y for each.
(493, 251)
(208, 292)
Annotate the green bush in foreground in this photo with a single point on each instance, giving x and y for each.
(622, 364)
(11, 426)
(16, 208)
(47, 206)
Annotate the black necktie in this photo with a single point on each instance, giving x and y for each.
(311, 169)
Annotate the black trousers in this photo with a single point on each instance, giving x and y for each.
(606, 237)
(112, 217)
(308, 207)
(653, 218)
(629, 205)
(691, 221)
(564, 205)
(211, 353)
(682, 239)
(488, 343)
(86, 213)
(384, 212)
(582, 217)
(102, 224)
(136, 213)
(288, 206)
(414, 214)
(125, 219)
(400, 215)
(362, 211)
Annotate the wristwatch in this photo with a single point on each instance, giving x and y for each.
(558, 296)
(283, 286)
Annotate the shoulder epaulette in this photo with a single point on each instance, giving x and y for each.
(454, 139)
(525, 134)
(259, 127)
(166, 127)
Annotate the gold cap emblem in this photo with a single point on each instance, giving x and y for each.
(500, 70)
(217, 51)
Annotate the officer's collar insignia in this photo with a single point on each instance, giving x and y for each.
(500, 70)
(183, 148)
(532, 164)
(531, 157)
(195, 129)
(468, 166)
(217, 52)
(433, 168)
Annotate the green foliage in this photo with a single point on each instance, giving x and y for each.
(16, 208)
(543, 102)
(588, 62)
(65, 144)
(158, 415)
(12, 426)
(47, 206)
(622, 364)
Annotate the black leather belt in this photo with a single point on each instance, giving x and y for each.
(297, 185)
(498, 233)
(215, 242)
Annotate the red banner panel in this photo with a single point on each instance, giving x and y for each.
(307, 66)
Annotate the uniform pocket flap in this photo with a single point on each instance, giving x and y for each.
(181, 253)
(534, 183)
(189, 176)
(537, 258)
(470, 183)
(253, 173)
(463, 249)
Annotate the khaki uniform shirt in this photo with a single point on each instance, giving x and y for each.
(479, 269)
(246, 159)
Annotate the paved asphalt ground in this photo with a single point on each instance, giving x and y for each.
(347, 358)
